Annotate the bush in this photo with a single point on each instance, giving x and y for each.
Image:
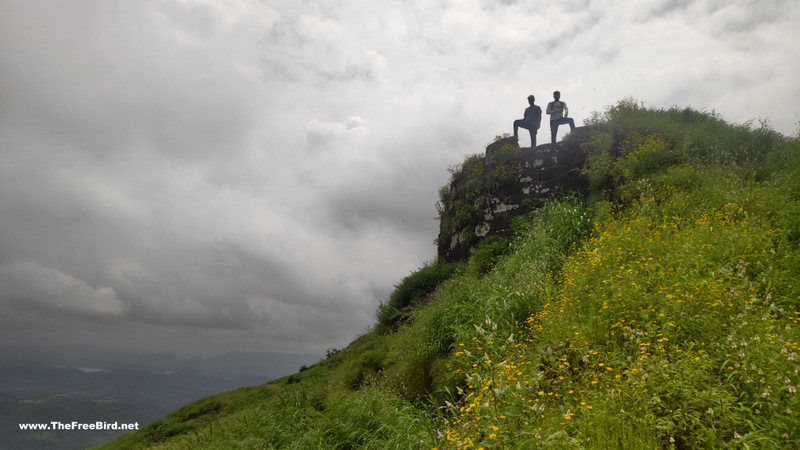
(411, 290)
(488, 253)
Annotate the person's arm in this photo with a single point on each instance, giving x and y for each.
(550, 108)
(566, 110)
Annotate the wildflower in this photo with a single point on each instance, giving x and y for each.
(738, 436)
(765, 393)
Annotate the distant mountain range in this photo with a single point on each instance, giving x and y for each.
(88, 385)
(254, 367)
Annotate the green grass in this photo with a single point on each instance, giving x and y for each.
(662, 311)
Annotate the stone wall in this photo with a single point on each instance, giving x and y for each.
(538, 174)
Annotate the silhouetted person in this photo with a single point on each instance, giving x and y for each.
(531, 121)
(558, 115)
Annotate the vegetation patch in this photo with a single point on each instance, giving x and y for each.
(411, 290)
(662, 311)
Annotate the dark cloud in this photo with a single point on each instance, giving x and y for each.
(200, 176)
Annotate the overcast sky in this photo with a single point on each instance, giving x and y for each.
(199, 176)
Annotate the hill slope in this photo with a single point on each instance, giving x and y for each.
(660, 312)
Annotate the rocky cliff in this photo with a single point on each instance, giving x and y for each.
(487, 191)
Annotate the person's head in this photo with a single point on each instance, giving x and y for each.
(556, 95)
(531, 99)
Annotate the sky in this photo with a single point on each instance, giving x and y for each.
(200, 176)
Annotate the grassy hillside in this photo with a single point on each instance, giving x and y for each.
(660, 312)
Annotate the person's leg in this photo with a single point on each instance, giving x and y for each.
(528, 126)
(563, 120)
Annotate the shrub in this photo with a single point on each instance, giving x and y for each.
(411, 290)
(489, 251)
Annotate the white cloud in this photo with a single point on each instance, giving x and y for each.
(28, 281)
(321, 134)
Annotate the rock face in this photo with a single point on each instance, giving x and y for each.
(510, 181)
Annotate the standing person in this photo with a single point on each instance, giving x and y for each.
(531, 121)
(558, 115)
